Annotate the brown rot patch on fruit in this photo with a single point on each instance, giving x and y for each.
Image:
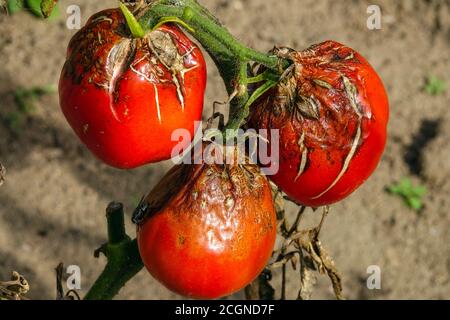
(181, 240)
(118, 61)
(324, 113)
(304, 157)
(352, 94)
(89, 48)
(230, 224)
(119, 57)
(101, 53)
(219, 185)
(307, 107)
(164, 47)
(323, 84)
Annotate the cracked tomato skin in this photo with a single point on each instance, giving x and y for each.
(209, 230)
(124, 97)
(332, 113)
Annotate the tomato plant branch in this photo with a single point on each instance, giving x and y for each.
(225, 50)
(123, 257)
(116, 223)
(233, 60)
(231, 57)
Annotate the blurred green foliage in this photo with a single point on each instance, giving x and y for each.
(40, 8)
(435, 86)
(412, 195)
(25, 102)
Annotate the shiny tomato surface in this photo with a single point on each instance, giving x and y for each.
(209, 229)
(123, 96)
(331, 111)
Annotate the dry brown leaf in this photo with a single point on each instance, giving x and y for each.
(2, 174)
(330, 268)
(15, 289)
(307, 278)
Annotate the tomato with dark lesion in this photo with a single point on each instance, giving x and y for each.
(207, 230)
(124, 96)
(332, 112)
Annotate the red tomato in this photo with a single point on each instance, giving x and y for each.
(124, 97)
(210, 229)
(332, 113)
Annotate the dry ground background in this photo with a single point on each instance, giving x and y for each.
(52, 204)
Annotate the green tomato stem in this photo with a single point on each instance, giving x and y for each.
(124, 261)
(116, 223)
(231, 57)
(133, 24)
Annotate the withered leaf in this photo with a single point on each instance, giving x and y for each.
(327, 265)
(14, 289)
(307, 278)
(322, 83)
(308, 107)
(2, 174)
(47, 7)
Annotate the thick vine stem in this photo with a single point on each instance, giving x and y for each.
(123, 257)
(116, 223)
(231, 57)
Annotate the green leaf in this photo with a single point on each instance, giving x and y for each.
(415, 203)
(411, 195)
(133, 24)
(47, 7)
(394, 189)
(35, 8)
(419, 191)
(266, 86)
(405, 185)
(14, 6)
(25, 102)
(14, 121)
(435, 86)
(174, 20)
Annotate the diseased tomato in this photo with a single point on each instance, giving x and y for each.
(209, 229)
(332, 112)
(125, 96)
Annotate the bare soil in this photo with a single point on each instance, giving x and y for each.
(53, 201)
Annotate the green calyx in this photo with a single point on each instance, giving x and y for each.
(232, 58)
(135, 28)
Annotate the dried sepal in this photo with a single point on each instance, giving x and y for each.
(2, 174)
(328, 115)
(278, 200)
(308, 277)
(327, 265)
(47, 7)
(14, 289)
(312, 257)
